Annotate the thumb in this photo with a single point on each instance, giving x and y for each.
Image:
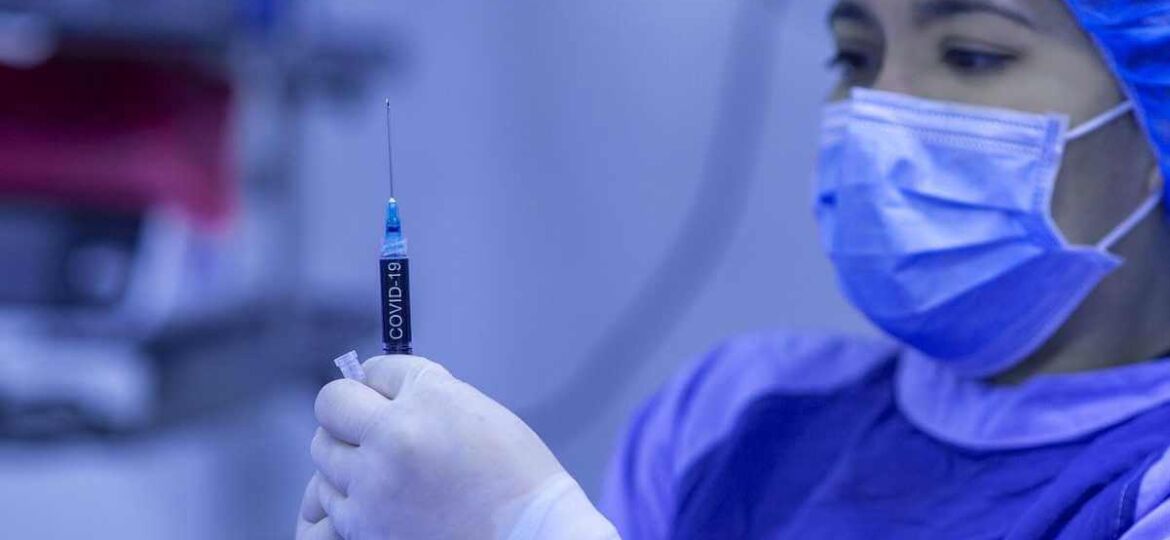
(393, 375)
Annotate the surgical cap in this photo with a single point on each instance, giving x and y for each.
(1135, 38)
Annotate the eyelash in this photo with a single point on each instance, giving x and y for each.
(975, 62)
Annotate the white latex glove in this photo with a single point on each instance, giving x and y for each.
(419, 455)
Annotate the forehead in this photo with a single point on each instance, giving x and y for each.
(1047, 16)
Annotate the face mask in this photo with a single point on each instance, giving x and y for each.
(936, 217)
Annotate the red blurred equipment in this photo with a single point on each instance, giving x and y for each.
(117, 135)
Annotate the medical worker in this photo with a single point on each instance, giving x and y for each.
(990, 192)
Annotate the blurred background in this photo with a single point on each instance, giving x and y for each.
(191, 196)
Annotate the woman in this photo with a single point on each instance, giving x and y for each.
(990, 194)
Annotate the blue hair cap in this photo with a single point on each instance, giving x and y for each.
(1135, 38)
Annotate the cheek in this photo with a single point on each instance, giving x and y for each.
(1102, 181)
(840, 92)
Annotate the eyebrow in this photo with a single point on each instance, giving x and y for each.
(931, 11)
(847, 11)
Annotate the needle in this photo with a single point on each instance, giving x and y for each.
(389, 150)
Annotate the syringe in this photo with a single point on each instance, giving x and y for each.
(394, 267)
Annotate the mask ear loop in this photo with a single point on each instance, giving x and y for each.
(1147, 206)
(1131, 222)
(1099, 122)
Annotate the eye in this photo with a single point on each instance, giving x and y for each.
(975, 62)
(847, 60)
(850, 63)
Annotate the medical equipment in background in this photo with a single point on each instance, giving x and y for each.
(157, 323)
(108, 248)
(394, 268)
(137, 262)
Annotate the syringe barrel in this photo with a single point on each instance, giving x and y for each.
(395, 275)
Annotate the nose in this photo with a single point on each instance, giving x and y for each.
(893, 78)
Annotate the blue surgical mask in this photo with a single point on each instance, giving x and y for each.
(937, 219)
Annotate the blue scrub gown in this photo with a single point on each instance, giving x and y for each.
(821, 437)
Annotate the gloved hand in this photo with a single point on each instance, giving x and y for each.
(418, 454)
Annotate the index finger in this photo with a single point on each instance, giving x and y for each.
(311, 509)
(321, 530)
(347, 409)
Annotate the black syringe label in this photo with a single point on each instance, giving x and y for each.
(395, 303)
